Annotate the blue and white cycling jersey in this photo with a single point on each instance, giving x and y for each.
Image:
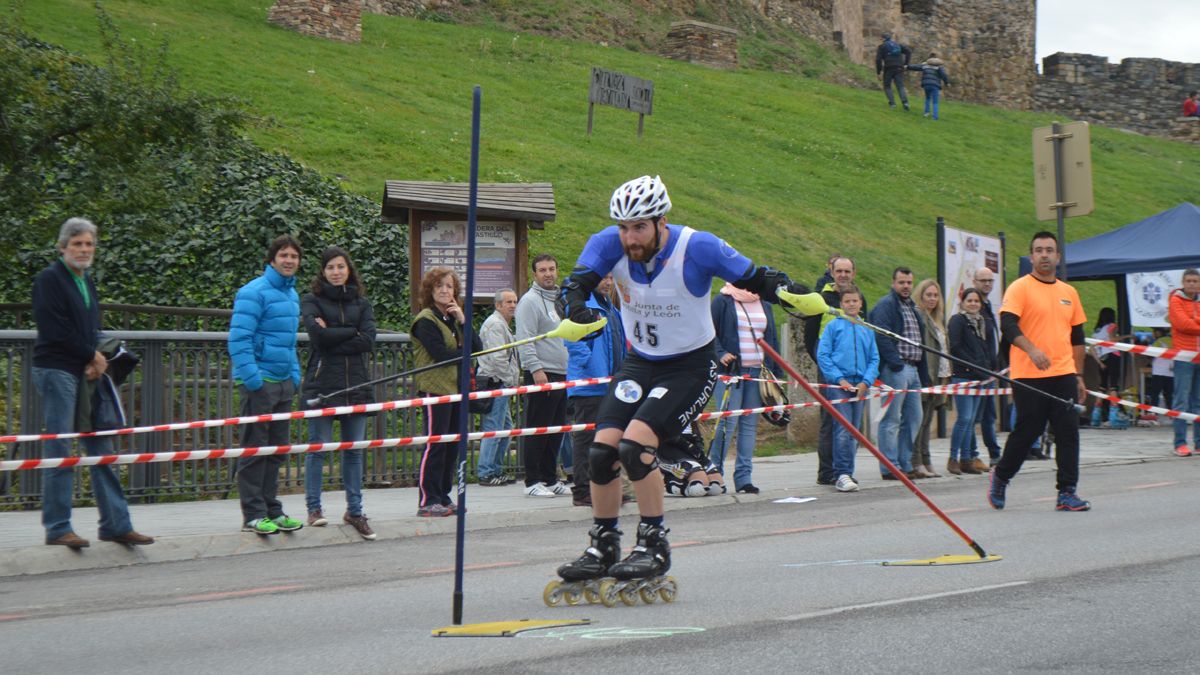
(665, 304)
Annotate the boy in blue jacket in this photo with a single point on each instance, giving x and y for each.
(848, 357)
(598, 357)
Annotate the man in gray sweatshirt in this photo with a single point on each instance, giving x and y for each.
(542, 361)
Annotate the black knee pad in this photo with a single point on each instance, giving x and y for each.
(631, 459)
(601, 458)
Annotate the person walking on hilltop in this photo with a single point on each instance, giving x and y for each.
(933, 77)
(891, 61)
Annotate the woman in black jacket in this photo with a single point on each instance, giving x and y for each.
(971, 341)
(341, 333)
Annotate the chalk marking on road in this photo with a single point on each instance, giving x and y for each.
(1045, 499)
(689, 542)
(899, 601)
(963, 509)
(799, 530)
(1147, 486)
(13, 617)
(615, 632)
(838, 563)
(476, 566)
(239, 594)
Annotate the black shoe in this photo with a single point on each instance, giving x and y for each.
(826, 481)
(1037, 455)
(748, 488)
(888, 476)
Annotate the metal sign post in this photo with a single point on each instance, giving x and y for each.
(1062, 173)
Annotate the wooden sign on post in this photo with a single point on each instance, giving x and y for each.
(608, 87)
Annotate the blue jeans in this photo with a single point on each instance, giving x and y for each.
(742, 394)
(987, 426)
(962, 438)
(931, 96)
(902, 419)
(59, 390)
(1187, 399)
(492, 451)
(845, 445)
(320, 430)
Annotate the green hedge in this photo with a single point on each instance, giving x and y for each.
(186, 206)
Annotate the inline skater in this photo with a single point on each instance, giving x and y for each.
(664, 274)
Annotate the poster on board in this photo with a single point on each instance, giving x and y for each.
(1148, 296)
(444, 244)
(962, 254)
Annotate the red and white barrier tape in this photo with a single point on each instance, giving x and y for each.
(293, 449)
(304, 414)
(226, 453)
(1162, 352)
(1189, 417)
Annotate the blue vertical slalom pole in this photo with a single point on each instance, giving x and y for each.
(464, 372)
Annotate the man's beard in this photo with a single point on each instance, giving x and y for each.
(644, 257)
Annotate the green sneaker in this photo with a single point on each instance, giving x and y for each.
(262, 526)
(286, 523)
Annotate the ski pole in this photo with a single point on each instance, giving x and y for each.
(887, 333)
(812, 391)
(567, 330)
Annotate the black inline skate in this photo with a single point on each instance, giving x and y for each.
(640, 574)
(583, 577)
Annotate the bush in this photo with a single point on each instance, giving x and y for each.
(186, 206)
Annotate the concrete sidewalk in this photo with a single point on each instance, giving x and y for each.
(203, 529)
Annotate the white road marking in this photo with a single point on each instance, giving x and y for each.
(898, 601)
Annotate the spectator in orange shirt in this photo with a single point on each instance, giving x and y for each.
(1043, 318)
(1184, 314)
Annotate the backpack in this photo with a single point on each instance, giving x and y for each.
(891, 48)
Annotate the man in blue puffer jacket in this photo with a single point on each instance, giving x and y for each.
(262, 347)
(598, 357)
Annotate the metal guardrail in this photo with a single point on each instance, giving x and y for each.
(186, 376)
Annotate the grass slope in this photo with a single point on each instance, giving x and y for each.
(787, 168)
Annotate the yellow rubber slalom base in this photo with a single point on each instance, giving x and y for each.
(965, 559)
(504, 628)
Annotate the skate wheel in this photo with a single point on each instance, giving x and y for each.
(591, 595)
(648, 595)
(668, 590)
(628, 595)
(608, 593)
(573, 596)
(553, 593)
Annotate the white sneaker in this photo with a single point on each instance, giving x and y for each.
(560, 488)
(538, 490)
(846, 484)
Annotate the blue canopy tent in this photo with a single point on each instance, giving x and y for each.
(1165, 241)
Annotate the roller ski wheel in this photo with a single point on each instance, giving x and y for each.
(669, 590)
(553, 593)
(609, 593)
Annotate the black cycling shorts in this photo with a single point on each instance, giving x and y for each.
(665, 395)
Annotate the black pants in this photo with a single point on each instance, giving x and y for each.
(438, 462)
(1161, 384)
(258, 476)
(545, 409)
(1033, 412)
(896, 75)
(584, 411)
(825, 444)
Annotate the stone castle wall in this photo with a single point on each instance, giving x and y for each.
(1144, 95)
(331, 19)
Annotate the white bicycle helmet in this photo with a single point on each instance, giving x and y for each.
(639, 199)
